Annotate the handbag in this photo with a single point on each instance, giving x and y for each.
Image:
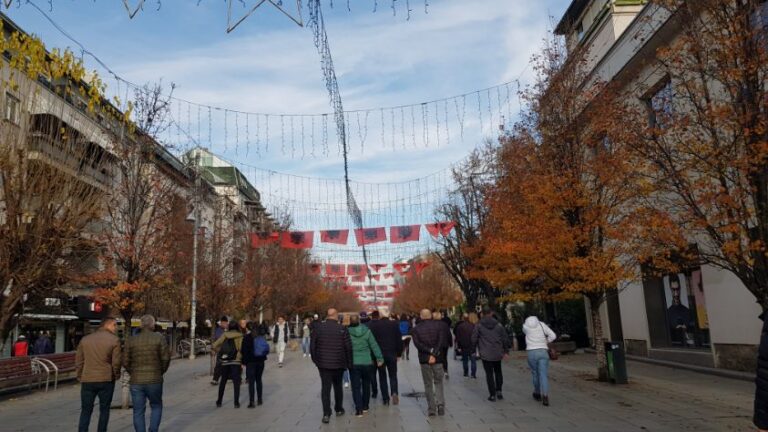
(551, 351)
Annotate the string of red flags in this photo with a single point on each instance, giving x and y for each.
(358, 273)
(363, 236)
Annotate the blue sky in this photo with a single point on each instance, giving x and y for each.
(269, 65)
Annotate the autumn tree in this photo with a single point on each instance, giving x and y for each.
(52, 177)
(139, 209)
(433, 288)
(560, 211)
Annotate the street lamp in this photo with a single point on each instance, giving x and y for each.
(196, 216)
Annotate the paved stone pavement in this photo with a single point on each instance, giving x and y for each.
(658, 399)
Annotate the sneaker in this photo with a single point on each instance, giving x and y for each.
(365, 410)
(474, 376)
(492, 398)
(326, 419)
(346, 385)
(340, 413)
(466, 375)
(385, 402)
(358, 413)
(214, 382)
(279, 365)
(251, 405)
(446, 375)
(218, 404)
(441, 410)
(237, 404)
(305, 356)
(499, 396)
(537, 397)
(431, 413)
(395, 399)
(260, 402)
(545, 400)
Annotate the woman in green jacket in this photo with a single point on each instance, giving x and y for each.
(363, 344)
(229, 355)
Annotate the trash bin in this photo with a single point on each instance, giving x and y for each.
(617, 362)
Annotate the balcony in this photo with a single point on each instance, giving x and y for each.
(92, 165)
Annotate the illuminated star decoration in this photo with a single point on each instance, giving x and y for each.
(297, 18)
(132, 11)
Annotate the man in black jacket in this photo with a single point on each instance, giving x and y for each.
(387, 335)
(492, 341)
(429, 340)
(331, 349)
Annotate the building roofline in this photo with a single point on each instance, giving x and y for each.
(572, 14)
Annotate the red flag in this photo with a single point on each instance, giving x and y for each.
(389, 275)
(335, 270)
(264, 238)
(376, 277)
(420, 266)
(440, 228)
(297, 239)
(401, 268)
(377, 267)
(402, 234)
(334, 236)
(366, 236)
(358, 278)
(356, 270)
(315, 268)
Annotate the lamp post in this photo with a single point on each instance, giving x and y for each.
(196, 210)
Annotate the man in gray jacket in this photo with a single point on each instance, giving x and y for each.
(492, 342)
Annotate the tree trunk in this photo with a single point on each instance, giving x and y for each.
(597, 332)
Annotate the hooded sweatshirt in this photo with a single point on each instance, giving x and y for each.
(537, 334)
(363, 343)
(491, 339)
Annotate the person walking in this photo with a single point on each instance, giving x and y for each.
(21, 347)
(255, 352)
(537, 336)
(387, 335)
(97, 366)
(280, 335)
(446, 327)
(363, 346)
(429, 340)
(229, 349)
(306, 331)
(405, 334)
(463, 334)
(331, 349)
(222, 327)
(146, 359)
(492, 343)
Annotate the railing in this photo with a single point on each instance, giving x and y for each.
(40, 365)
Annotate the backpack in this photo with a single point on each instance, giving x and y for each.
(228, 351)
(260, 347)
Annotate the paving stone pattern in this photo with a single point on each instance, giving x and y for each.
(657, 399)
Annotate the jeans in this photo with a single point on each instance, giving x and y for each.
(88, 393)
(538, 361)
(361, 385)
(253, 373)
(493, 376)
(389, 368)
(466, 359)
(331, 378)
(433, 385)
(139, 395)
(346, 376)
(305, 345)
(230, 372)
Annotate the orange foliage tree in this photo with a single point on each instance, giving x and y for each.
(434, 288)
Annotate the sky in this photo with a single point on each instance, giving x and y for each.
(269, 65)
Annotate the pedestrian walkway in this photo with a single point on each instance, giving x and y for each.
(658, 399)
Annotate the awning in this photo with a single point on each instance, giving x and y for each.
(48, 317)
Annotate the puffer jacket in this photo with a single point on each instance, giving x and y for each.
(147, 357)
(330, 346)
(537, 334)
(363, 344)
(238, 338)
(491, 339)
(761, 393)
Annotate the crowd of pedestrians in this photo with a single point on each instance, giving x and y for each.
(358, 350)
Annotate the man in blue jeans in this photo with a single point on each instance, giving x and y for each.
(147, 358)
(97, 364)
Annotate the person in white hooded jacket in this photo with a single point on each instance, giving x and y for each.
(537, 336)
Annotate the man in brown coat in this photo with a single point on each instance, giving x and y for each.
(147, 358)
(98, 366)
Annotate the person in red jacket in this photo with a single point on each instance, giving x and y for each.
(21, 347)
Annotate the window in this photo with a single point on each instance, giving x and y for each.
(660, 106)
(12, 105)
(580, 31)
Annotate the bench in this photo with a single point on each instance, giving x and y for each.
(16, 372)
(564, 347)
